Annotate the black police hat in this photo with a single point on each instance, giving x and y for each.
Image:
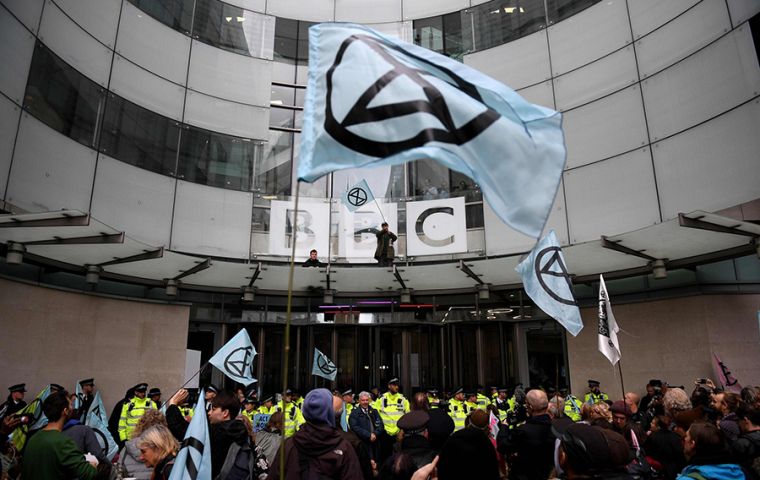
(269, 398)
(432, 390)
(347, 392)
(503, 389)
(57, 387)
(394, 380)
(458, 390)
(19, 387)
(140, 387)
(593, 383)
(414, 422)
(212, 388)
(87, 381)
(154, 391)
(249, 400)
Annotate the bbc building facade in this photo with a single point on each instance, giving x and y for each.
(148, 157)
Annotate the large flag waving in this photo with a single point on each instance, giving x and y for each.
(98, 420)
(193, 460)
(357, 196)
(323, 367)
(235, 358)
(38, 419)
(546, 281)
(725, 377)
(608, 328)
(375, 100)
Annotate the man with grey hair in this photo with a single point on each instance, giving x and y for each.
(529, 448)
(366, 423)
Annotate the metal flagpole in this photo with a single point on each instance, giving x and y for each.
(288, 316)
(620, 369)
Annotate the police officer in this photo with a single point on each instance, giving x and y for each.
(133, 410)
(88, 395)
(391, 406)
(292, 416)
(595, 395)
(573, 407)
(481, 399)
(267, 407)
(471, 403)
(348, 401)
(502, 404)
(155, 395)
(209, 394)
(15, 401)
(248, 409)
(432, 396)
(457, 409)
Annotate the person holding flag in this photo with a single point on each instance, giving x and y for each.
(85, 396)
(385, 253)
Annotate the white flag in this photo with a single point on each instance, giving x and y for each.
(323, 366)
(608, 328)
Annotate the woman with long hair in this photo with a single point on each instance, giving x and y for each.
(158, 448)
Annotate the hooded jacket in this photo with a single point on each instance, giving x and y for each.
(716, 465)
(327, 454)
(222, 435)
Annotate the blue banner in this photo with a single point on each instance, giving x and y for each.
(357, 196)
(193, 460)
(98, 421)
(373, 100)
(547, 282)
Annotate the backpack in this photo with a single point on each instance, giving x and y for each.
(239, 464)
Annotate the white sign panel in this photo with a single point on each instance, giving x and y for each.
(357, 230)
(192, 365)
(312, 225)
(436, 227)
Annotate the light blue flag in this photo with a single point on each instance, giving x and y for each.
(78, 397)
(344, 419)
(375, 100)
(323, 367)
(546, 281)
(193, 460)
(235, 358)
(357, 196)
(98, 421)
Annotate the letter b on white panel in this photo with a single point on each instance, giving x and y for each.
(436, 227)
(357, 241)
(311, 224)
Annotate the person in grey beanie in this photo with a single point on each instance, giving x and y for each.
(317, 448)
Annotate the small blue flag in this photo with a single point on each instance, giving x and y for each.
(374, 100)
(193, 460)
(546, 281)
(97, 420)
(78, 397)
(235, 358)
(357, 196)
(323, 367)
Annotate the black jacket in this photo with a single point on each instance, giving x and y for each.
(222, 435)
(363, 424)
(529, 448)
(418, 447)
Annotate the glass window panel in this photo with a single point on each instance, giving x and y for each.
(283, 95)
(429, 180)
(280, 117)
(217, 160)
(454, 44)
(501, 21)
(428, 33)
(303, 42)
(273, 172)
(298, 119)
(138, 136)
(345, 361)
(464, 186)
(260, 219)
(230, 28)
(285, 40)
(300, 95)
(474, 215)
(63, 98)
(492, 364)
(177, 14)
(558, 10)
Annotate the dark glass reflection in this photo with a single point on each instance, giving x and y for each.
(273, 174)
(558, 10)
(210, 158)
(291, 41)
(137, 136)
(177, 14)
(501, 21)
(63, 98)
(229, 27)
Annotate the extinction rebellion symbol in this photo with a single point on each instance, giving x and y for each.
(239, 362)
(357, 197)
(547, 267)
(435, 104)
(324, 365)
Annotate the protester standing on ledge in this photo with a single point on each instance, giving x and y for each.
(385, 252)
(313, 261)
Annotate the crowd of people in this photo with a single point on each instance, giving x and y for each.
(517, 433)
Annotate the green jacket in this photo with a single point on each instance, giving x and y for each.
(51, 454)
